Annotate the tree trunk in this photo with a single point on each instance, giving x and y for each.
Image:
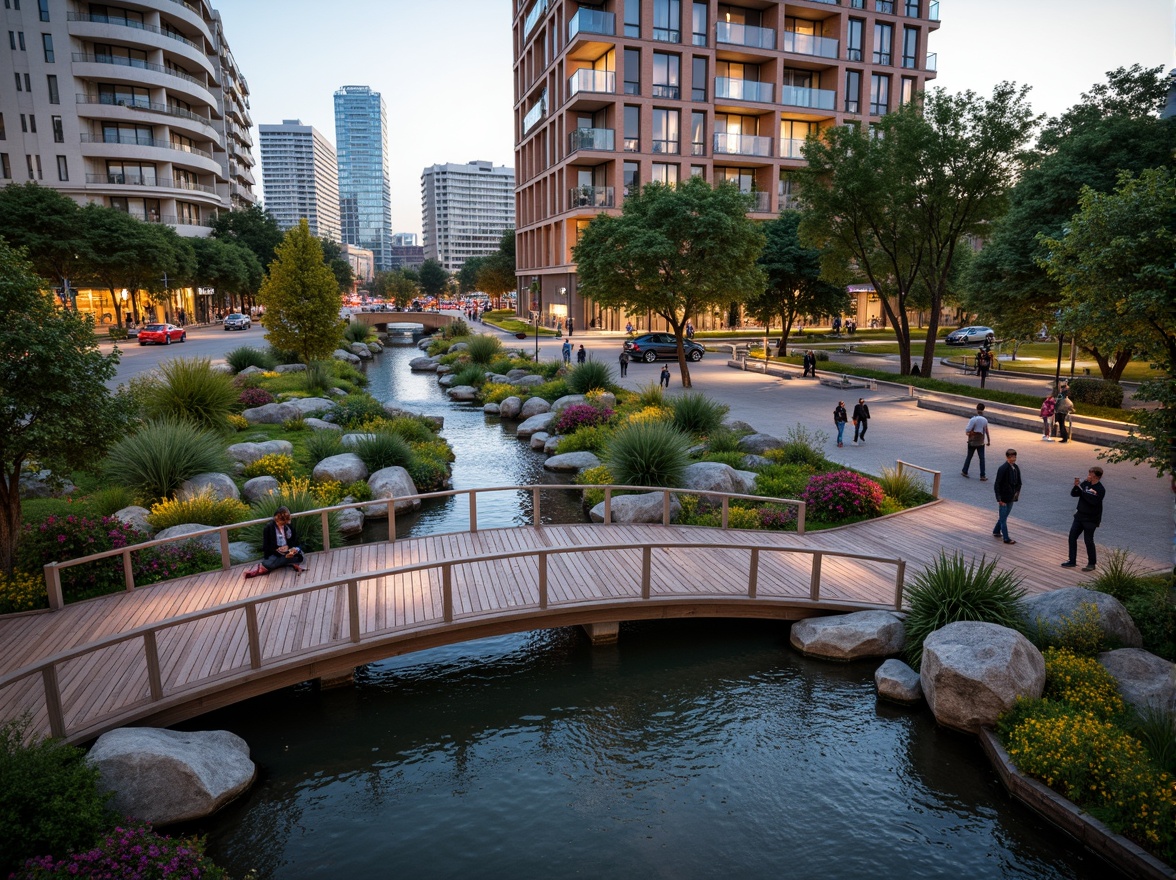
(9, 518)
(932, 336)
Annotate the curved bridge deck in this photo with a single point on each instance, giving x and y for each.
(177, 649)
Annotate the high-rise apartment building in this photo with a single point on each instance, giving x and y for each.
(142, 109)
(365, 194)
(613, 95)
(301, 176)
(464, 210)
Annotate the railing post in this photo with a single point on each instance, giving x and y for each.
(542, 579)
(128, 571)
(353, 608)
(53, 586)
(254, 636)
(324, 518)
(726, 505)
(815, 580)
(899, 580)
(646, 560)
(391, 520)
(800, 518)
(607, 504)
(226, 562)
(665, 507)
(151, 649)
(935, 484)
(753, 574)
(473, 510)
(53, 701)
(536, 520)
(447, 591)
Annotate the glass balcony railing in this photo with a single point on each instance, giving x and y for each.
(537, 112)
(591, 139)
(761, 201)
(601, 81)
(632, 145)
(886, 6)
(791, 148)
(591, 197)
(815, 99)
(743, 89)
(806, 44)
(533, 17)
(592, 21)
(745, 35)
(932, 60)
(742, 144)
(667, 35)
(933, 11)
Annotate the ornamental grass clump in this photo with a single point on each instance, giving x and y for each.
(648, 454)
(244, 357)
(952, 589)
(383, 449)
(160, 455)
(580, 415)
(470, 374)
(590, 439)
(299, 497)
(905, 487)
(696, 414)
(191, 390)
(589, 376)
(317, 378)
(484, 349)
(322, 444)
(357, 332)
(841, 496)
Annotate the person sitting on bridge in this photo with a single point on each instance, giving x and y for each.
(279, 546)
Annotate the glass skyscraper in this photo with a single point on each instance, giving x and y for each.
(365, 195)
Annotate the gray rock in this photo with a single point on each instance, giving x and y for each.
(748, 480)
(534, 406)
(459, 346)
(644, 508)
(739, 426)
(571, 461)
(346, 467)
(350, 521)
(510, 408)
(391, 482)
(607, 399)
(491, 409)
(535, 423)
(517, 373)
(551, 443)
(1145, 680)
(445, 380)
(849, 636)
(539, 439)
(528, 381)
(169, 776)
(135, 517)
(247, 453)
(222, 367)
(567, 400)
(753, 462)
(211, 541)
(898, 683)
(220, 486)
(758, 444)
(320, 425)
(341, 354)
(971, 672)
(350, 441)
(290, 368)
(308, 405)
(259, 487)
(445, 369)
(43, 484)
(711, 476)
(375, 347)
(423, 365)
(251, 371)
(361, 351)
(241, 552)
(1051, 610)
(337, 392)
(463, 392)
(272, 413)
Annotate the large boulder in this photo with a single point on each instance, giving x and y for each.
(510, 407)
(849, 636)
(748, 479)
(971, 672)
(220, 486)
(346, 468)
(1145, 680)
(423, 365)
(350, 441)
(290, 368)
(211, 540)
(320, 425)
(260, 487)
(534, 406)
(361, 351)
(241, 552)
(571, 461)
(551, 444)
(247, 453)
(459, 346)
(168, 776)
(758, 444)
(540, 422)
(44, 484)
(539, 439)
(272, 413)
(490, 409)
(711, 476)
(644, 508)
(308, 405)
(463, 392)
(341, 354)
(898, 683)
(135, 517)
(1052, 611)
(391, 482)
(350, 521)
(567, 400)
(528, 381)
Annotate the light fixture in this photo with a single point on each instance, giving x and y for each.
(124, 295)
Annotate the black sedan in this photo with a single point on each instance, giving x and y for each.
(161, 334)
(650, 346)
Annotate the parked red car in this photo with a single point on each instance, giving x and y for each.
(162, 334)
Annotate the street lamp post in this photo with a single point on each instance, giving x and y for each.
(536, 337)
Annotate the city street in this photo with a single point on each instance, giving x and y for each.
(210, 341)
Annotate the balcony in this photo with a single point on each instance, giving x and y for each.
(761, 201)
(791, 148)
(806, 44)
(667, 35)
(663, 90)
(591, 197)
(533, 17)
(813, 99)
(743, 89)
(130, 23)
(932, 60)
(137, 140)
(591, 139)
(592, 21)
(593, 81)
(119, 60)
(742, 145)
(933, 11)
(123, 179)
(537, 112)
(745, 35)
(667, 146)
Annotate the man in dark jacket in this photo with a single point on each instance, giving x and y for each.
(1088, 517)
(861, 420)
(1008, 490)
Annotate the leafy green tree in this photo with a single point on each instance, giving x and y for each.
(497, 273)
(55, 409)
(333, 256)
(301, 298)
(467, 276)
(674, 251)
(1114, 267)
(253, 227)
(47, 225)
(230, 267)
(795, 285)
(396, 284)
(898, 198)
(433, 277)
(1116, 127)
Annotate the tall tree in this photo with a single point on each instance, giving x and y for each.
(48, 226)
(119, 252)
(301, 298)
(1114, 267)
(795, 285)
(255, 228)
(674, 251)
(897, 199)
(398, 285)
(467, 276)
(337, 263)
(54, 404)
(229, 267)
(497, 273)
(433, 277)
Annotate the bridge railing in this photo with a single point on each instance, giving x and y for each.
(246, 614)
(53, 570)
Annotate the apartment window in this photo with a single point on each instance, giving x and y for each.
(43, 5)
(28, 124)
(12, 40)
(853, 91)
(632, 71)
(909, 89)
(912, 8)
(632, 129)
(698, 79)
(54, 95)
(857, 4)
(140, 135)
(28, 83)
(879, 94)
(24, 123)
(632, 18)
(883, 36)
(698, 171)
(784, 190)
(853, 39)
(188, 214)
(134, 173)
(665, 131)
(666, 76)
(631, 178)
(58, 131)
(47, 45)
(884, 6)
(665, 173)
(793, 133)
(697, 133)
(19, 87)
(62, 168)
(5, 167)
(131, 96)
(667, 21)
(910, 47)
(34, 166)
(699, 24)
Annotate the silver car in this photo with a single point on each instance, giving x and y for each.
(971, 335)
(237, 322)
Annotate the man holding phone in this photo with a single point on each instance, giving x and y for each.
(1090, 493)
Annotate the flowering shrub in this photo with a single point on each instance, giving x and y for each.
(777, 518)
(496, 392)
(1080, 633)
(280, 467)
(591, 439)
(580, 415)
(129, 853)
(237, 422)
(169, 561)
(22, 591)
(360, 490)
(58, 538)
(251, 397)
(842, 495)
(1082, 682)
(652, 414)
(205, 509)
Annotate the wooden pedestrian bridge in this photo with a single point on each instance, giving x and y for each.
(177, 649)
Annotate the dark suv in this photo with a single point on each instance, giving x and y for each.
(650, 346)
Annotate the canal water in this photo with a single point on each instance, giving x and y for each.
(690, 749)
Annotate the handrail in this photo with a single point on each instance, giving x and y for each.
(935, 475)
(53, 569)
(149, 633)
